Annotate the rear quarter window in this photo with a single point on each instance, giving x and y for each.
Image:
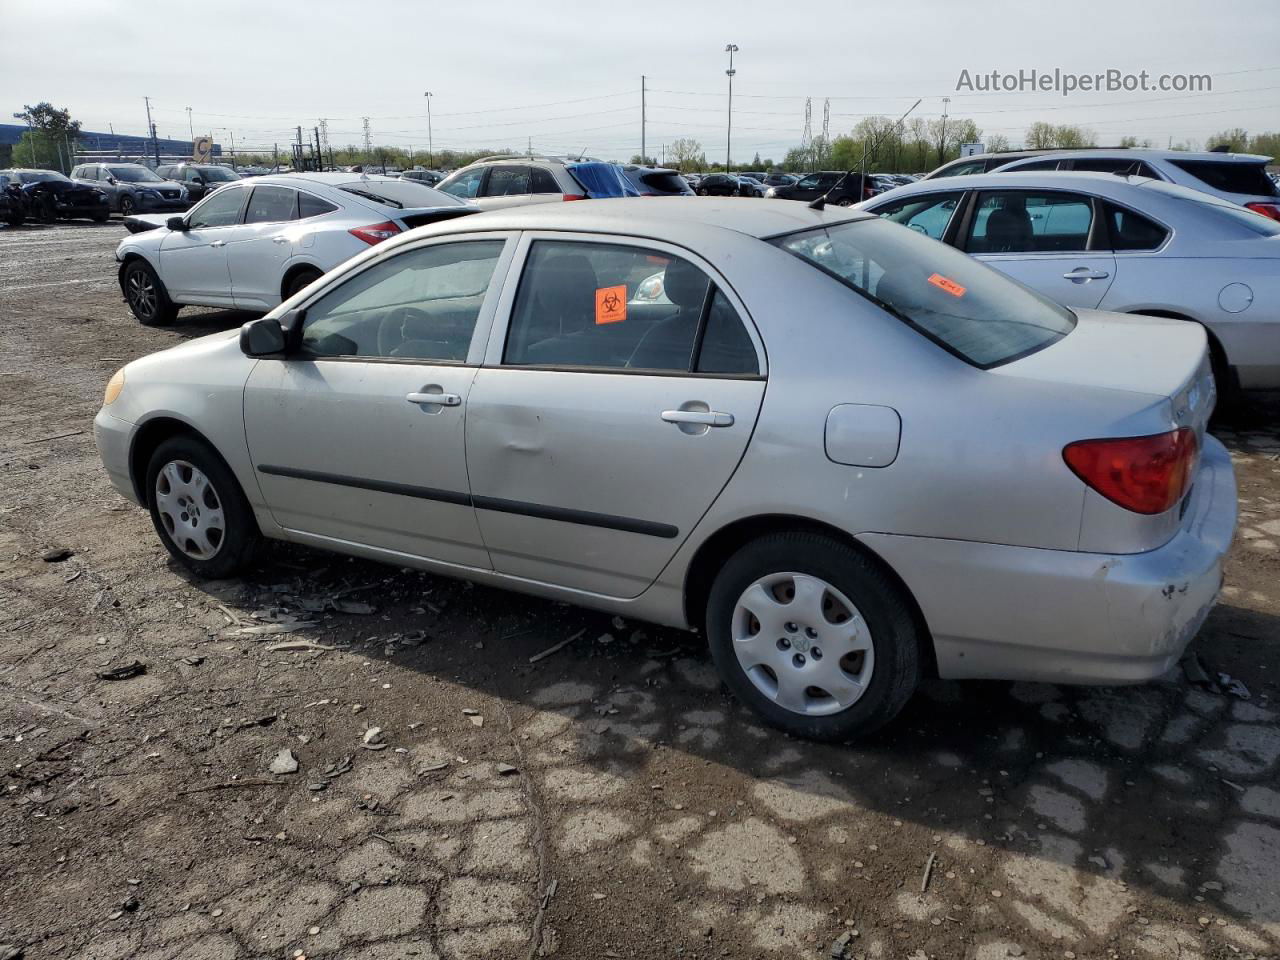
(1230, 177)
(967, 308)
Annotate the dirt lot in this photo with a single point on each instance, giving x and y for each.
(647, 815)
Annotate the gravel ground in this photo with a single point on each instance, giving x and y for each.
(609, 800)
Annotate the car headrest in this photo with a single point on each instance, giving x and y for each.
(684, 284)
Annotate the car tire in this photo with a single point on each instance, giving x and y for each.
(46, 210)
(702, 191)
(198, 509)
(147, 297)
(299, 280)
(101, 217)
(127, 206)
(844, 202)
(870, 668)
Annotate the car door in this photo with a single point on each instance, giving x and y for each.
(1048, 239)
(605, 421)
(357, 437)
(193, 262)
(260, 245)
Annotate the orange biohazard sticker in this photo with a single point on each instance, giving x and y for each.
(611, 304)
(945, 283)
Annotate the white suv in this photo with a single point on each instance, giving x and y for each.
(513, 181)
(1235, 177)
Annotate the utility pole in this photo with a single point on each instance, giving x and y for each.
(643, 155)
(430, 141)
(155, 145)
(319, 152)
(942, 140)
(191, 126)
(731, 49)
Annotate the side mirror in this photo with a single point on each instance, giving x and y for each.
(262, 338)
(177, 224)
(111, 180)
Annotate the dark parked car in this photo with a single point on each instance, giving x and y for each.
(719, 185)
(779, 179)
(839, 187)
(426, 177)
(132, 188)
(199, 178)
(13, 209)
(49, 196)
(657, 181)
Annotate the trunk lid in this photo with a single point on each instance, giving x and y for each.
(1150, 356)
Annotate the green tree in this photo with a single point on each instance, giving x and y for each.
(687, 155)
(50, 141)
(1236, 138)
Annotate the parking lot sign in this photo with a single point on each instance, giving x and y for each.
(202, 149)
(971, 149)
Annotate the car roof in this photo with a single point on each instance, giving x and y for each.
(1152, 153)
(665, 218)
(335, 179)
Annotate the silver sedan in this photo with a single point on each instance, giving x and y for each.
(1127, 244)
(848, 455)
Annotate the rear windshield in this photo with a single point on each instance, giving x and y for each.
(1230, 176)
(964, 306)
(400, 194)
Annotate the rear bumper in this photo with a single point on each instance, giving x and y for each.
(1018, 613)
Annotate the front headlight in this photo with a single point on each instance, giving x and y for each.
(771, 192)
(114, 386)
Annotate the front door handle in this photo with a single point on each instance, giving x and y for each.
(279, 239)
(439, 399)
(705, 418)
(1081, 274)
(218, 243)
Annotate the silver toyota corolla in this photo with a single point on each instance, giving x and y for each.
(849, 455)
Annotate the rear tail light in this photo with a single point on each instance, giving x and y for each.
(575, 196)
(1144, 474)
(375, 233)
(1269, 210)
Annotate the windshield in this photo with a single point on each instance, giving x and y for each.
(964, 306)
(42, 176)
(399, 193)
(134, 174)
(218, 174)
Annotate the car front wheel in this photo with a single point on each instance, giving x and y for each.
(147, 297)
(126, 206)
(814, 636)
(198, 509)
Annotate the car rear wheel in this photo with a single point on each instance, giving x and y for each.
(299, 280)
(702, 191)
(102, 216)
(147, 297)
(844, 202)
(815, 637)
(126, 206)
(198, 508)
(46, 210)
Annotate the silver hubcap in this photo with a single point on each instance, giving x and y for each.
(142, 293)
(803, 643)
(190, 509)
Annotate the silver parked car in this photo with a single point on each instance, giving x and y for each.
(849, 455)
(1126, 244)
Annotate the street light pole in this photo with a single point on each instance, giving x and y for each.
(730, 49)
(191, 126)
(430, 142)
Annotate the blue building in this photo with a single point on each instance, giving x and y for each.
(122, 143)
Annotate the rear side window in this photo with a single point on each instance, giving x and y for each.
(1026, 221)
(964, 306)
(1037, 165)
(272, 204)
(1132, 231)
(507, 182)
(963, 169)
(928, 215)
(543, 182)
(1230, 177)
(609, 306)
(310, 205)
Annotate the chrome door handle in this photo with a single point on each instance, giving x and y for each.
(1085, 273)
(279, 239)
(218, 243)
(440, 399)
(708, 418)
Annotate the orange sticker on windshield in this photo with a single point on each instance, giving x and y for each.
(947, 284)
(611, 304)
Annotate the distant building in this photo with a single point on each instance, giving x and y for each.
(93, 142)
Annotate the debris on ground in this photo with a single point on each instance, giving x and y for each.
(57, 555)
(1223, 684)
(130, 670)
(506, 769)
(9, 951)
(373, 739)
(839, 945)
(335, 770)
(284, 762)
(556, 648)
(299, 645)
(1233, 687)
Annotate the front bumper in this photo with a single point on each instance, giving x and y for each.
(114, 438)
(151, 203)
(1019, 613)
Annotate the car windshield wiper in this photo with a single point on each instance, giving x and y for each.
(373, 196)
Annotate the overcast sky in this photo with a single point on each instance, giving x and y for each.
(567, 75)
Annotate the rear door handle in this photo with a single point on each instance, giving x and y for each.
(279, 239)
(1085, 273)
(708, 418)
(218, 243)
(440, 399)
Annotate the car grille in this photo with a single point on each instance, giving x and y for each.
(169, 194)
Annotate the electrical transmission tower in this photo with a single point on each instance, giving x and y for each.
(825, 147)
(368, 141)
(324, 134)
(806, 139)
